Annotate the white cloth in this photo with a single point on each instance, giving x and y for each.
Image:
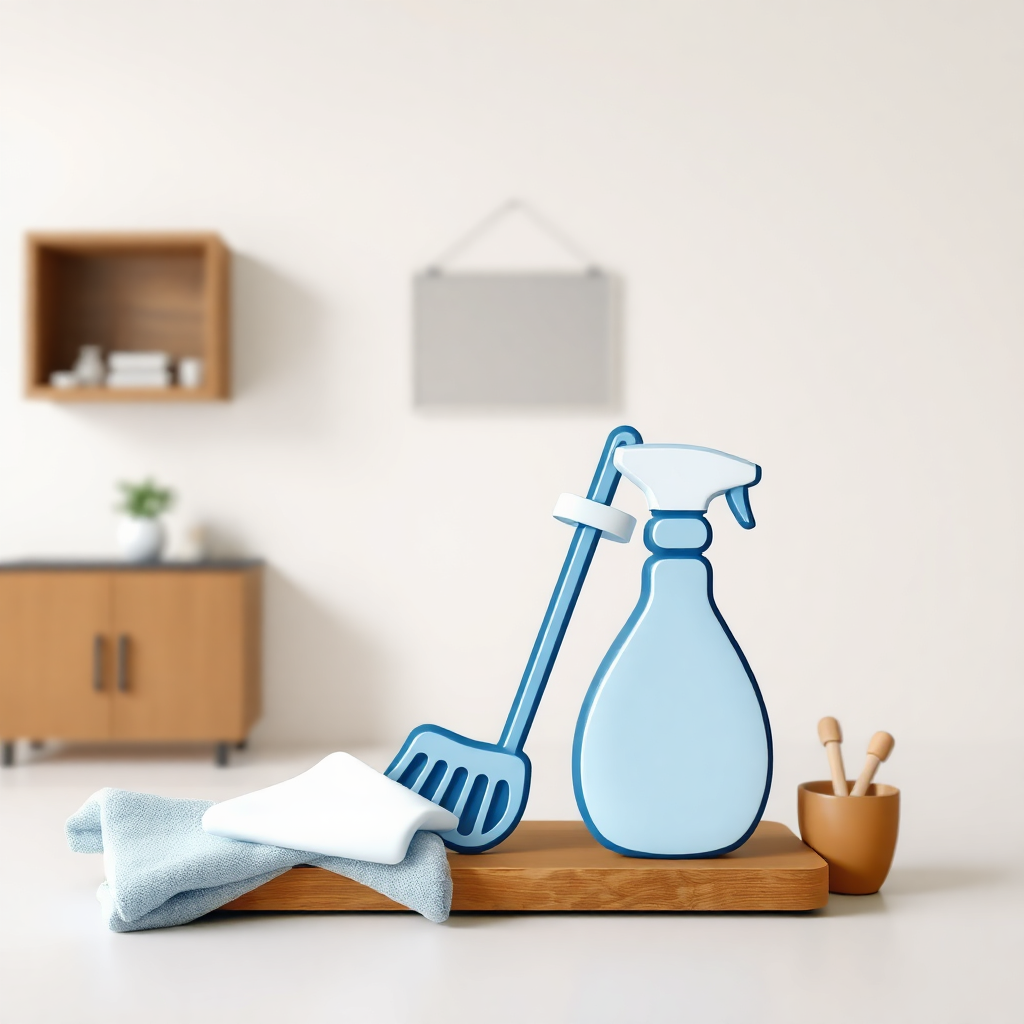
(340, 808)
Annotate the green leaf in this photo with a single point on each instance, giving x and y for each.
(145, 500)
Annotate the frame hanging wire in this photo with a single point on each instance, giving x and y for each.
(507, 209)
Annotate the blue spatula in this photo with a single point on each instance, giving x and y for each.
(486, 785)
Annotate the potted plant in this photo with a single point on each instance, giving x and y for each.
(140, 534)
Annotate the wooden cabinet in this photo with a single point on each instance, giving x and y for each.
(121, 653)
(54, 635)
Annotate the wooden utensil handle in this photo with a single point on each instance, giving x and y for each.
(860, 787)
(879, 749)
(831, 735)
(835, 764)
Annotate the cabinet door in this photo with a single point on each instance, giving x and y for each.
(54, 655)
(179, 640)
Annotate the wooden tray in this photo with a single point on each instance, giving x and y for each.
(557, 865)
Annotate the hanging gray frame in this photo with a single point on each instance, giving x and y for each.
(513, 338)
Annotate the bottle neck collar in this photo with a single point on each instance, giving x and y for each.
(677, 534)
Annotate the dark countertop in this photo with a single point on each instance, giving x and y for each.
(114, 565)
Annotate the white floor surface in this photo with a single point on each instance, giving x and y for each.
(943, 941)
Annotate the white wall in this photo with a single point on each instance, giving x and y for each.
(817, 211)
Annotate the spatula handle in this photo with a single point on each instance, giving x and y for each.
(563, 599)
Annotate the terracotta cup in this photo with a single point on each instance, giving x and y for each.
(855, 834)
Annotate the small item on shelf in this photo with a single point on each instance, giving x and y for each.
(64, 379)
(139, 370)
(879, 750)
(190, 372)
(831, 737)
(89, 366)
(140, 540)
(138, 362)
(139, 379)
(140, 534)
(193, 544)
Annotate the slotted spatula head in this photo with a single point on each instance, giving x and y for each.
(485, 786)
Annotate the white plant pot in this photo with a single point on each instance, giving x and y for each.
(140, 540)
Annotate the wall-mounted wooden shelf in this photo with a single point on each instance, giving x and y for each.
(127, 292)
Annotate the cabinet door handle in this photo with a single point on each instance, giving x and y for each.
(122, 663)
(97, 663)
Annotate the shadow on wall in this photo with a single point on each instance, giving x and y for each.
(322, 682)
(284, 347)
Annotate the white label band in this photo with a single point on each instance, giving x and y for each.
(573, 510)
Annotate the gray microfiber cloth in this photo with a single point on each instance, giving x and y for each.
(163, 869)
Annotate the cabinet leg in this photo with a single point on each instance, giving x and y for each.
(221, 755)
(241, 745)
(7, 753)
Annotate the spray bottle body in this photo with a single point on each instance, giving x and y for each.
(672, 753)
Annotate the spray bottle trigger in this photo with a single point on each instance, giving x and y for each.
(739, 501)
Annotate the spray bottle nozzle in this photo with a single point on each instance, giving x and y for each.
(685, 478)
(739, 502)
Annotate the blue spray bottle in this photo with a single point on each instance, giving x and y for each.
(672, 755)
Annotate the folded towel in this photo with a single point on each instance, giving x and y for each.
(163, 869)
(374, 819)
(133, 361)
(139, 379)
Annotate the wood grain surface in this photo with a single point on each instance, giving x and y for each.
(132, 653)
(185, 647)
(162, 292)
(557, 865)
(50, 681)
